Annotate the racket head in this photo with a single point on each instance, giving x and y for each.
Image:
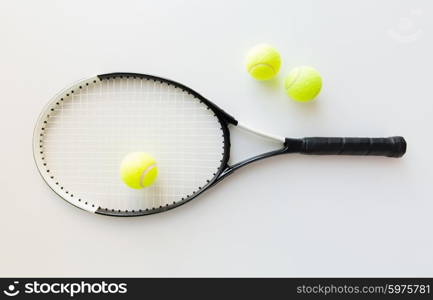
(83, 133)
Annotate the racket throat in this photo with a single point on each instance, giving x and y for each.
(229, 169)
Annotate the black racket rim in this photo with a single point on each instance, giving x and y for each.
(223, 118)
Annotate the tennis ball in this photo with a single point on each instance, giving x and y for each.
(138, 170)
(263, 62)
(303, 84)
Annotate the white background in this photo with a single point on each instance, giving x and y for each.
(286, 216)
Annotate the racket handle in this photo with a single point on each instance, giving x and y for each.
(391, 147)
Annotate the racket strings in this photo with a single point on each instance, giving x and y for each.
(91, 128)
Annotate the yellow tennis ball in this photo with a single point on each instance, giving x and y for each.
(303, 84)
(263, 62)
(138, 170)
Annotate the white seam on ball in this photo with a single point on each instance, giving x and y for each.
(295, 79)
(145, 173)
(261, 64)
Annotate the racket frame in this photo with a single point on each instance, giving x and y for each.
(392, 147)
(224, 169)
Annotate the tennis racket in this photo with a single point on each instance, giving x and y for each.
(84, 132)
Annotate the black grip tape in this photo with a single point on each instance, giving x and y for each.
(391, 147)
